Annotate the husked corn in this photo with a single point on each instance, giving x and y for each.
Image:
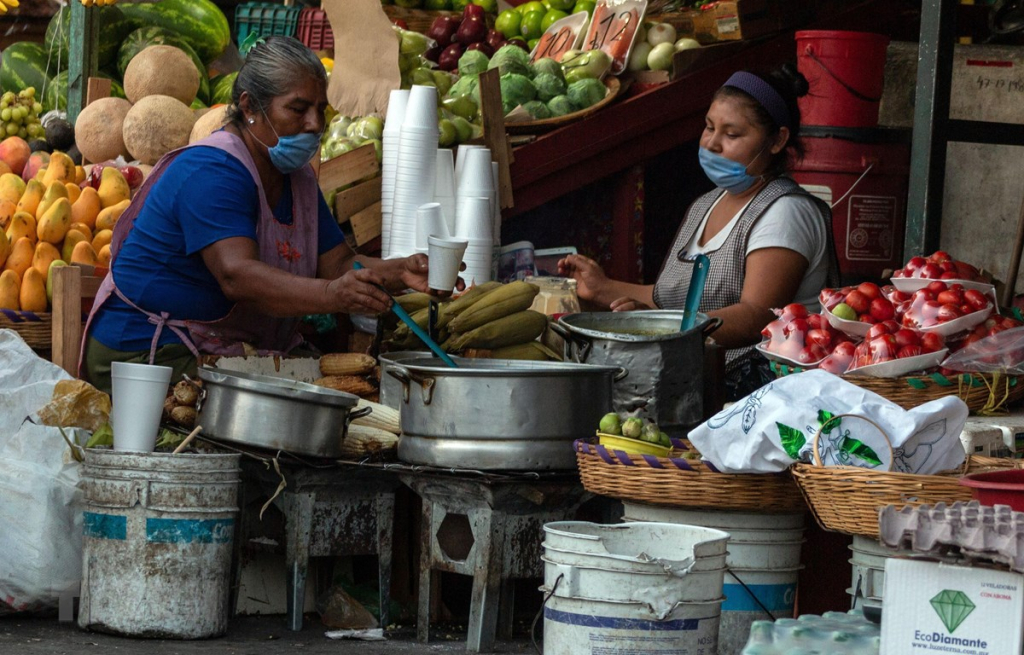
(348, 383)
(346, 364)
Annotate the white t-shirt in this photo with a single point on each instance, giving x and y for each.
(792, 222)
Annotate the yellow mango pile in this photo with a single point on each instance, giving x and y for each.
(51, 221)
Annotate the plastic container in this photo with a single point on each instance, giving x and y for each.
(137, 402)
(265, 19)
(845, 71)
(157, 543)
(997, 488)
(314, 30)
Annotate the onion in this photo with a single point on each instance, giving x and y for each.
(638, 58)
(661, 33)
(660, 58)
(686, 44)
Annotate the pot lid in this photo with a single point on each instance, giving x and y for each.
(641, 326)
(479, 367)
(279, 387)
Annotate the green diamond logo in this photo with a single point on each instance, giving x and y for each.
(952, 607)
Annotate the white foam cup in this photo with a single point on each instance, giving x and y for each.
(397, 103)
(421, 109)
(138, 393)
(476, 173)
(429, 223)
(445, 257)
(473, 218)
(460, 160)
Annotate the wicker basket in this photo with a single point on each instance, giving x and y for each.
(847, 499)
(418, 20)
(679, 482)
(984, 393)
(35, 328)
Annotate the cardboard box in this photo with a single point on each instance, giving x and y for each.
(934, 607)
(732, 20)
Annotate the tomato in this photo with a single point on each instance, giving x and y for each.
(906, 337)
(867, 318)
(818, 337)
(810, 354)
(949, 297)
(870, 289)
(948, 276)
(1009, 323)
(935, 288)
(798, 325)
(931, 342)
(882, 309)
(844, 348)
(915, 263)
(816, 321)
(883, 348)
(976, 299)
(948, 313)
(897, 296)
(967, 272)
(939, 256)
(930, 271)
(948, 267)
(858, 302)
(908, 351)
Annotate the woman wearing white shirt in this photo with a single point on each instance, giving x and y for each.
(768, 240)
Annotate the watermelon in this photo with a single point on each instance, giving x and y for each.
(198, 104)
(200, 22)
(24, 65)
(142, 38)
(220, 89)
(114, 26)
(56, 94)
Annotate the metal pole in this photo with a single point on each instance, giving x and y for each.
(83, 54)
(931, 115)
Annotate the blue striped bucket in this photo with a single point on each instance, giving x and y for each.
(157, 543)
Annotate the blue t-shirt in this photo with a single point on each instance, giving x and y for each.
(204, 196)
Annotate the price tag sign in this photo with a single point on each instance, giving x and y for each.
(613, 29)
(564, 34)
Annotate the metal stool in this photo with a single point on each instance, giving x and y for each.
(503, 516)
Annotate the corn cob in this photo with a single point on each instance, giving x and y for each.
(382, 417)
(509, 299)
(459, 305)
(420, 317)
(185, 393)
(346, 364)
(510, 330)
(532, 350)
(184, 416)
(348, 383)
(413, 302)
(362, 441)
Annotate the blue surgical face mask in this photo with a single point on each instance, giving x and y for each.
(726, 173)
(291, 152)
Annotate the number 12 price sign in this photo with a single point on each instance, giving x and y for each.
(613, 29)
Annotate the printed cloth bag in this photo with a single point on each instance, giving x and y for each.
(775, 427)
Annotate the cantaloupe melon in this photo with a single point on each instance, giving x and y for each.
(209, 123)
(98, 131)
(161, 70)
(156, 125)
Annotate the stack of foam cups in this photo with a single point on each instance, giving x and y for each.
(392, 132)
(444, 189)
(460, 161)
(415, 172)
(429, 223)
(475, 228)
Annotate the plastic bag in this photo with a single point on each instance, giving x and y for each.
(799, 338)
(947, 308)
(775, 426)
(892, 351)
(76, 404)
(1002, 351)
(41, 513)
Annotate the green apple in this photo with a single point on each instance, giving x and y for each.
(527, 7)
(551, 17)
(463, 129)
(845, 312)
(532, 44)
(443, 81)
(490, 6)
(463, 106)
(530, 27)
(508, 23)
(562, 5)
(422, 77)
(446, 133)
(584, 5)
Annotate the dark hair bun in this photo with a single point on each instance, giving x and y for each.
(793, 79)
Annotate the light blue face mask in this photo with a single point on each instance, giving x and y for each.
(291, 152)
(726, 173)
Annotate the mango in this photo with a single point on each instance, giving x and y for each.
(37, 161)
(54, 192)
(71, 239)
(107, 218)
(60, 169)
(7, 211)
(86, 208)
(45, 254)
(22, 225)
(4, 168)
(113, 187)
(34, 192)
(83, 254)
(57, 263)
(11, 187)
(73, 191)
(102, 238)
(83, 228)
(5, 248)
(54, 224)
(20, 259)
(33, 291)
(79, 175)
(103, 256)
(10, 290)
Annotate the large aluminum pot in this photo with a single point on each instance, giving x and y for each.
(666, 366)
(391, 388)
(497, 414)
(275, 413)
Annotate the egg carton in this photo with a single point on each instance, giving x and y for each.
(971, 530)
(832, 633)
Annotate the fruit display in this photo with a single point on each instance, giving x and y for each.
(488, 6)
(863, 303)
(940, 303)
(453, 36)
(19, 114)
(887, 341)
(799, 336)
(939, 266)
(529, 20)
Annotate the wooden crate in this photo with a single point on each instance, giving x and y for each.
(355, 176)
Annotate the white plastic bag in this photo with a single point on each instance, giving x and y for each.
(775, 426)
(40, 505)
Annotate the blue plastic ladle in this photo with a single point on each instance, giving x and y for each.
(698, 277)
(416, 329)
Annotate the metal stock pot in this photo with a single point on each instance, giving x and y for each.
(497, 414)
(666, 366)
(275, 413)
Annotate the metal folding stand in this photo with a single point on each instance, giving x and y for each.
(332, 510)
(488, 526)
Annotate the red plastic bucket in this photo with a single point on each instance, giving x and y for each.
(845, 71)
(997, 488)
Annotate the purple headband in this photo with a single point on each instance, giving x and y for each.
(765, 95)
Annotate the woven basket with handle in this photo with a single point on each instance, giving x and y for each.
(682, 482)
(847, 499)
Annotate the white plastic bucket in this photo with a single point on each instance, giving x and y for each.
(157, 546)
(868, 578)
(634, 587)
(137, 401)
(764, 554)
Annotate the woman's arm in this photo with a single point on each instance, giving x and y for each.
(592, 285)
(397, 274)
(772, 279)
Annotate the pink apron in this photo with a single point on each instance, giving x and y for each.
(291, 248)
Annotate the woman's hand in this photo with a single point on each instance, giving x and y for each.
(590, 279)
(355, 293)
(626, 304)
(412, 274)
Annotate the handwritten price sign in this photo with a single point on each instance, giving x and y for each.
(564, 34)
(613, 29)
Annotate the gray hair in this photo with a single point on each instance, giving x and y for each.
(271, 69)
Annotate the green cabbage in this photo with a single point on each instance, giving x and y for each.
(548, 86)
(466, 85)
(512, 59)
(586, 92)
(516, 90)
(549, 66)
(473, 62)
(537, 109)
(560, 106)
